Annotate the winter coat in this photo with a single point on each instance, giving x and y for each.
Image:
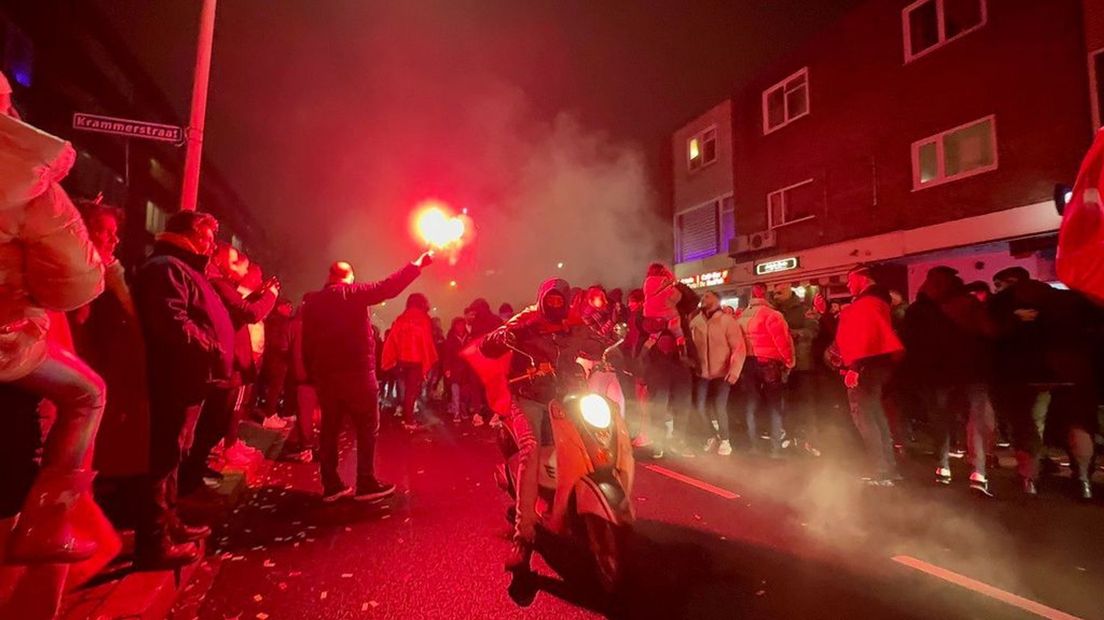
(485, 321)
(298, 367)
(803, 329)
(46, 259)
(451, 361)
(108, 337)
(947, 334)
(410, 341)
(244, 311)
(188, 331)
(766, 333)
(661, 297)
(337, 324)
(866, 330)
(721, 346)
(1058, 346)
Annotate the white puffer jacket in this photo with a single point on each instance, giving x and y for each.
(46, 259)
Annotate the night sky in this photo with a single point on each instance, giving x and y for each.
(548, 120)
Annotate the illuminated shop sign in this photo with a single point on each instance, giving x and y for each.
(777, 266)
(704, 280)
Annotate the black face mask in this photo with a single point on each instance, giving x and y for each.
(554, 307)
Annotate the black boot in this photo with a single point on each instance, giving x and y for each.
(520, 558)
(166, 556)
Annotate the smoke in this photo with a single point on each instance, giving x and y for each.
(547, 198)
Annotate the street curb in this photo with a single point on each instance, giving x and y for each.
(127, 595)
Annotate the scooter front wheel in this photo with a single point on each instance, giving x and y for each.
(607, 543)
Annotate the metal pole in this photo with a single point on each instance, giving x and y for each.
(190, 190)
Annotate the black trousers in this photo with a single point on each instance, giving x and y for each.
(19, 446)
(172, 433)
(211, 427)
(353, 396)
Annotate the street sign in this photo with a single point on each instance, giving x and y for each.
(129, 128)
(777, 266)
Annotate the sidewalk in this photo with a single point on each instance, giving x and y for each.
(122, 593)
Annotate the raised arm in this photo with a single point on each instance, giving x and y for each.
(245, 310)
(373, 293)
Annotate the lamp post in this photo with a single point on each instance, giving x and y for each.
(190, 190)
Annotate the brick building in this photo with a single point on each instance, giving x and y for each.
(911, 133)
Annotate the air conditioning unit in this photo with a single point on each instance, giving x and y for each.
(745, 244)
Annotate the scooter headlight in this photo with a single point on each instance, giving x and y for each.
(595, 411)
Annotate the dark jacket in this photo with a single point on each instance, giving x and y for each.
(546, 342)
(1057, 346)
(451, 362)
(244, 311)
(803, 329)
(337, 329)
(485, 321)
(108, 337)
(948, 334)
(188, 332)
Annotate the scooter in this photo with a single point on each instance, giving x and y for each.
(585, 478)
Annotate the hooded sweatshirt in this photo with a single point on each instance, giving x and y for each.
(410, 341)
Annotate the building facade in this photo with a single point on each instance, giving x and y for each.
(94, 72)
(911, 133)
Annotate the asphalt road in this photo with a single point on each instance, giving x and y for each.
(718, 537)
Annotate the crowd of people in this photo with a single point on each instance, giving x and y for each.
(142, 374)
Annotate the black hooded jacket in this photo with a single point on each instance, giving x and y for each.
(546, 341)
(188, 331)
(948, 334)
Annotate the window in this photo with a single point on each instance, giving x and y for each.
(786, 101)
(930, 24)
(701, 149)
(795, 203)
(705, 230)
(156, 218)
(955, 154)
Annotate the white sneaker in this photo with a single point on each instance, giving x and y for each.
(709, 445)
(496, 421)
(477, 420)
(725, 448)
(716, 426)
(274, 423)
(641, 441)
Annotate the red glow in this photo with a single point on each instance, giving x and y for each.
(436, 225)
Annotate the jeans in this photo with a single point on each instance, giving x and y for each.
(80, 395)
(1028, 410)
(669, 390)
(762, 382)
(524, 424)
(173, 419)
(720, 390)
(411, 377)
(868, 413)
(353, 395)
(980, 424)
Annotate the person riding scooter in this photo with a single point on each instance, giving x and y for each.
(542, 333)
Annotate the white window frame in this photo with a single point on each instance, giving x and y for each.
(767, 129)
(700, 137)
(1094, 83)
(941, 25)
(718, 205)
(940, 159)
(771, 225)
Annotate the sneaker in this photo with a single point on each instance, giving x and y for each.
(274, 423)
(457, 418)
(957, 453)
(641, 441)
(331, 496)
(304, 456)
(942, 476)
(477, 420)
(496, 421)
(212, 479)
(372, 491)
(412, 427)
(657, 453)
(709, 445)
(725, 448)
(979, 484)
(398, 412)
